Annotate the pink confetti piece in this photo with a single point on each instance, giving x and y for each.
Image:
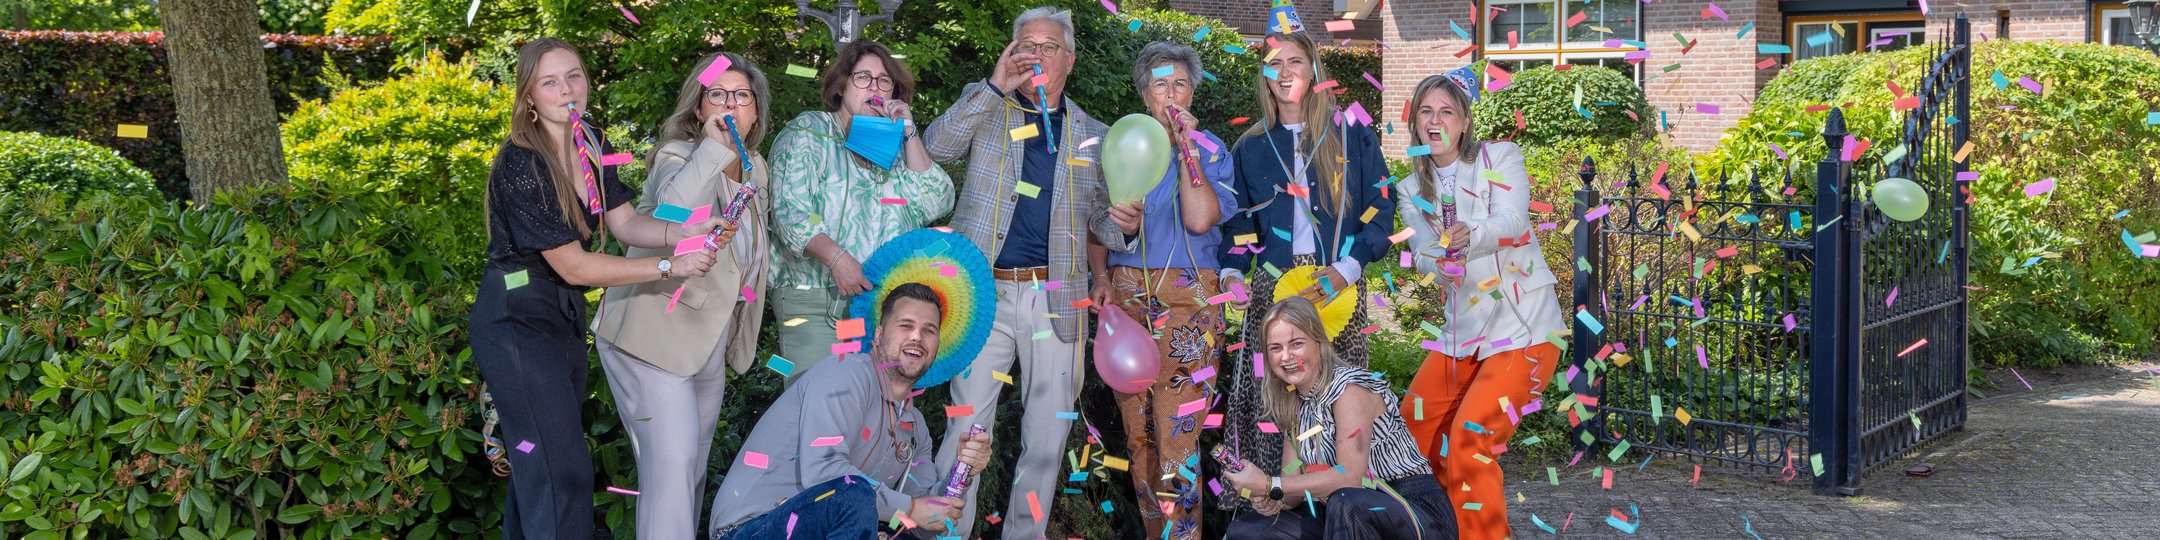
(1789, 323)
(1341, 25)
(1357, 110)
(690, 245)
(1892, 300)
(1706, 108)
(1780, 151)
(617, 490)
(2030, 84)
(1213, 421)
(1203, 374)
(755, 459)
(1636, 55)
(526, 446)
(1915, 345)
(1374, 80)
(1268, 427)
(2021, 378)
(2035, 189)
(617, 158)
(1109, 6)
(791, 515)
(633, 17)
(1596, 213)
(1713, 9)
(1534, 406)
(826, 441)
(749, 293)
(1968, 176)
(1259, 366)
(1191, 407)
(698, 215)
(674, 299)
(1702, 357)
(949, 271)
(713, 70)
(891, 200)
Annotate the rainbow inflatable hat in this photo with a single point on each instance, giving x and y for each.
(960, 275)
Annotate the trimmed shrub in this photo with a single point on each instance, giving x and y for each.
(1583, 102)
(84, 84)
(2055, 279)
(289, 364)
(426, 138)
(29, 161)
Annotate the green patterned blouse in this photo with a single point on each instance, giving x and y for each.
(820, 188)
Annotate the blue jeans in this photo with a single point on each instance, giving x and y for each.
(850, 512)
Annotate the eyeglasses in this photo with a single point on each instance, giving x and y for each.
(724, 97)
(1043, 48)
(864, 80)
(1170, 87)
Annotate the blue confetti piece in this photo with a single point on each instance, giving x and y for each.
(1744, 30)
(1077, 477)
(671, 214)
(1590, 322)
(1459, 32)
(1749, 527)
(2119, 215)
(2152, 118)
(1164, 71)
(1473, 426)
(1106, 508)
(2001, 82)
(2132, 242)
(1269, 72)
(1068, 415)
(1772, 49)
(1419, 150)
(1233, 49)
(1819, 39)
(781, 365)
(1135, 26)
(1541, 524)
(1201, 34)
(1204, 74)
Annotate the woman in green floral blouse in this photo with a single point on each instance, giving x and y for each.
(838, 207)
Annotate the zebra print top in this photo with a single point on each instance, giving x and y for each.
(1394, 453)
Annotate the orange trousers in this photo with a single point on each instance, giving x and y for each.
(1449, 396)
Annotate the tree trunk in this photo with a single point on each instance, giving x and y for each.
(228, 127)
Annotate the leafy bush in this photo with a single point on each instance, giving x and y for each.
(270, 363)
(30, 161)
(426, 138)
(1583, 102)
(2055, 281)
(278, 16)
(82, 85)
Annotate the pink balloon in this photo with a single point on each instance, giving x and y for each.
(1125, 353)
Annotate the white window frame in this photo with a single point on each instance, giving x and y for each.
(1800, 35)
(1561, 25)
(1495, 39)
(2107, 28)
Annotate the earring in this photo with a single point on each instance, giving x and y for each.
(535, 113)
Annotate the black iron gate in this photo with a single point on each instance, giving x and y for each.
(1737, 321)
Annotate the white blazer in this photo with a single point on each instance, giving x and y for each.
(1492, 199)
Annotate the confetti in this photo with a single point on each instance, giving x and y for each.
(513, 280)
(1024, 132)
(713, 70)
(613, 489)
(780, 365)
(137, 131)
(755, 459)
(1026, 189)
(848, 329)
(526, 446)
(800, 71)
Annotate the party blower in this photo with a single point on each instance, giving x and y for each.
(1192, 157)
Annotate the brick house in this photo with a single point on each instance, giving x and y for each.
(1725, 66)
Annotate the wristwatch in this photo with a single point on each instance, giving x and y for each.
(665, 266)
(1274, 490)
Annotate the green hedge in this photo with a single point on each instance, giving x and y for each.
(1581, 103)
(2081, 298)
(83, 85)
(426, 138)
(29, 161)
(268, 364)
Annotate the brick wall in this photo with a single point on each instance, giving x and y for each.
(1720, 70)
(2030, 20)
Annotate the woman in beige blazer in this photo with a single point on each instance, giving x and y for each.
(1469, 203)
(667, 345)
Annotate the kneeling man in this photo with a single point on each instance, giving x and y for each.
(845, 448)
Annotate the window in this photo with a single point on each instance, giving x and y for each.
(2115, 29)
(1531, 33)
(1833, 35)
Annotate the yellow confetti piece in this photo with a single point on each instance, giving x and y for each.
(1115, 462)
(1078, 162)
(1026, 189)
(1750, 269)
(1246, 239)
(1683, 415)
(1309, 433)
(1001, 377)
(1689, 230)
(1024, 132)
(1621, 360)
(134, 131)
(1481, 458)
(1962, 151)
(795, 321)
(827, 494)
(1369, 211)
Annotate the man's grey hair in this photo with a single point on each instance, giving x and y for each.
(1156, 53)
(1063, 18)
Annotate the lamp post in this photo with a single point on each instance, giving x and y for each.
(2145, 24)
(846, 21)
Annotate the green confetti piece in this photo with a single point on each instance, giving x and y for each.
(1552, 474)
(1816, 461)
(513, 280)
(1657, 409)
(1617, 451)
(1471, 506)
(800, 71)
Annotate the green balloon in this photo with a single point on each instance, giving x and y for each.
(1135, 157)
(1901, 199)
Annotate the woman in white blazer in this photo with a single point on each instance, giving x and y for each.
(1469, 203)
(667, 345)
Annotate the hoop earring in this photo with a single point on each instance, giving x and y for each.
(535, 113)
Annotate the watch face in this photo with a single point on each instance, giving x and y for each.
(666, 266)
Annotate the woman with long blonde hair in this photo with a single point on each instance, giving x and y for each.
(667, 345)
(546, 195)
(1354, 438)
(1469, 205)
(1308, 185)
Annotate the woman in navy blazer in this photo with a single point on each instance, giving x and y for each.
(1310, 192)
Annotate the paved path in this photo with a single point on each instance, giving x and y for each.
(2073, 458)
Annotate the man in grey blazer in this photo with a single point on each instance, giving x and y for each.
(1033, 201)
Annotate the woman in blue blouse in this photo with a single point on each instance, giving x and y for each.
(1165, 283)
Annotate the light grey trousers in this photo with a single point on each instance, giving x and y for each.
(670, 419)
(1049, 380)
(811, 341)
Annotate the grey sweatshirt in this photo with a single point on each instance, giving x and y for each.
(840, 402)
